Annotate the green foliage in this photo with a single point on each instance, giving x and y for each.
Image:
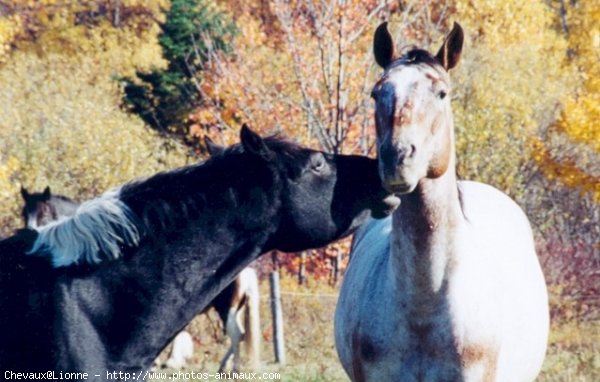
(188, 24)
(163, 98)
(68, 132)
(61, 123)
(526, 117)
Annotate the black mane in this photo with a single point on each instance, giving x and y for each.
(168, 200)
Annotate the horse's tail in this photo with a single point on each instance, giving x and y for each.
(252, 318)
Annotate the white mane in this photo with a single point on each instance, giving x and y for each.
(99, 228)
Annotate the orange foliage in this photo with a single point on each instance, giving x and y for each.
(301, 68)
(565, 171)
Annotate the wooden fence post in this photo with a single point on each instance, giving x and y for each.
(277, 314)
(337, 266)
(302, 268)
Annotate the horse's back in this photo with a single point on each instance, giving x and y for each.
(498, 279)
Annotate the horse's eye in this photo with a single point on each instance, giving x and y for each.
(318, 164)
(442, 94)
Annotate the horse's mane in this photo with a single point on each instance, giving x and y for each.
(101, 228)
(169, 199)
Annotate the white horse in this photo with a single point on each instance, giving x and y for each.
(450, 287)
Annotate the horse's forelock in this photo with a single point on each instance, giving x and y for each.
(415, 56)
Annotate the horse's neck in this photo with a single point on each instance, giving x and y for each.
(197, 271)
(423, 239)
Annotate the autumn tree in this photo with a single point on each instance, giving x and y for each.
(163, 98)
(307, 78)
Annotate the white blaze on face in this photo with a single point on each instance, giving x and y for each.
(32, 220)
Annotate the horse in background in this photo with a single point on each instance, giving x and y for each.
(450, 287)
(237, 305)
(111, 286)
(41, 208)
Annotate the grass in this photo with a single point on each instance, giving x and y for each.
(573, 352)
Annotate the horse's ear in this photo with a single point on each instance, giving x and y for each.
(383, 46)
(253, 143)
(47, 192)
(24, 193)
(449, 53)
(213, 148)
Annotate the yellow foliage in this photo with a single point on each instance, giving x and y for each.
(509, 22)
(121, 36)
(61, 123)
(571, 151)
(507, 88)
(9, 28)
(8, 188)
(68, 131)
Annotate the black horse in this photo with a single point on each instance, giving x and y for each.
(236, 305)
(105, 290)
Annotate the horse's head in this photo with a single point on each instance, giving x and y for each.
(413, 116)
(37, 210)
(323, 196)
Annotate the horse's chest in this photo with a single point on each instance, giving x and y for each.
(419, 352)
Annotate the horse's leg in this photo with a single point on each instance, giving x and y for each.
(236, 338)
(234, 331)
(252, 318)
(225, 359)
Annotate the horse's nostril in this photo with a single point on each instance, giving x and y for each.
(400, 158)
(412, 150)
